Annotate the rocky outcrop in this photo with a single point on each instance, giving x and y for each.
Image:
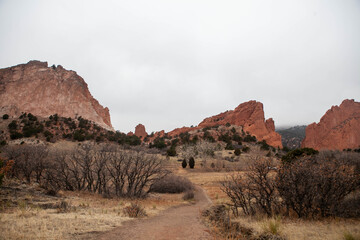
(140, 131)
(338, 129)
(34, 87)
(178, 131)
(249, 115)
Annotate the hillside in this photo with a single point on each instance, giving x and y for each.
(43, 91)
(292, 137)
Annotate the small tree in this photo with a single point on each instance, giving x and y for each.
(184, 163)
(5, 116)
(191, 162)
(171, 151)
(229, 146)
(237, 151)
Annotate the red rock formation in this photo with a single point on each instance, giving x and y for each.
(140, 131)
(178, 131)
(130, 133)
(159, 134)
(338, 129)
(249, 115)
(34, 87)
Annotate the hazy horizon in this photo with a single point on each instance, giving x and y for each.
(168, 64)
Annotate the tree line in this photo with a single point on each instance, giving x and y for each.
(100, 168)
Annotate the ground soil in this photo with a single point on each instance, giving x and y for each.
(182, 222)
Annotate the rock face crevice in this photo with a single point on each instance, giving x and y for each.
(338, 129)
(34, 87)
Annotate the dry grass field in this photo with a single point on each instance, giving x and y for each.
(29, 214)
(292, 229)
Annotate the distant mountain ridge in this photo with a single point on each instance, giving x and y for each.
(292, 137)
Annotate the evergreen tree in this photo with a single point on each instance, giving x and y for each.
(191, 162)
(184, 163)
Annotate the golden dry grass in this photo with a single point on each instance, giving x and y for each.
(297, 229)
(89, 213)
(292, 229)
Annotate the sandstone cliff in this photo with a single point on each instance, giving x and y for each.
(34, 87)
(249, 115)
(140, 131)
(338, 129)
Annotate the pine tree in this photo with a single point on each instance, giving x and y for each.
(184, 163)
(191, 162)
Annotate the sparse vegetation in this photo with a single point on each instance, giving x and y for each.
(172, 184)
(171, 151)
(311, 186)
(135, 210)
(103, 169)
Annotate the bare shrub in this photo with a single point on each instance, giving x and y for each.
(133, 173)
(105, 169)
(135, 210)
(172, 184)
(255, 191)
(219, 216)
(29, 161)
(203, 149)
(317, 185)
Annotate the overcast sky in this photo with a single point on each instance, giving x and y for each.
(169, 64)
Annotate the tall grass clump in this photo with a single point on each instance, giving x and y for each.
(272, 226)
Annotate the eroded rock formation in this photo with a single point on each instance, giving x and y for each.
(249, 115)
(338, 129)
(140, 131)
(34, 87)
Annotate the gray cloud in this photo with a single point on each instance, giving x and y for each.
(169, 64)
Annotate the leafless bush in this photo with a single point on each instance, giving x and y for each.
(203, 149)
(255, 191)
(105, 169)
(29, 161)
(219, 216)
(317, 185)
(172, 184)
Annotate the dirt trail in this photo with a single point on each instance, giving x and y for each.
(175, 223)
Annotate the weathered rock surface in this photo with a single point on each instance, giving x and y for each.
(249, 115)
(338, 129)
(140, 131)
(178, 131)
(34, 87)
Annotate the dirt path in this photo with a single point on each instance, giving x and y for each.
(175, 223)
